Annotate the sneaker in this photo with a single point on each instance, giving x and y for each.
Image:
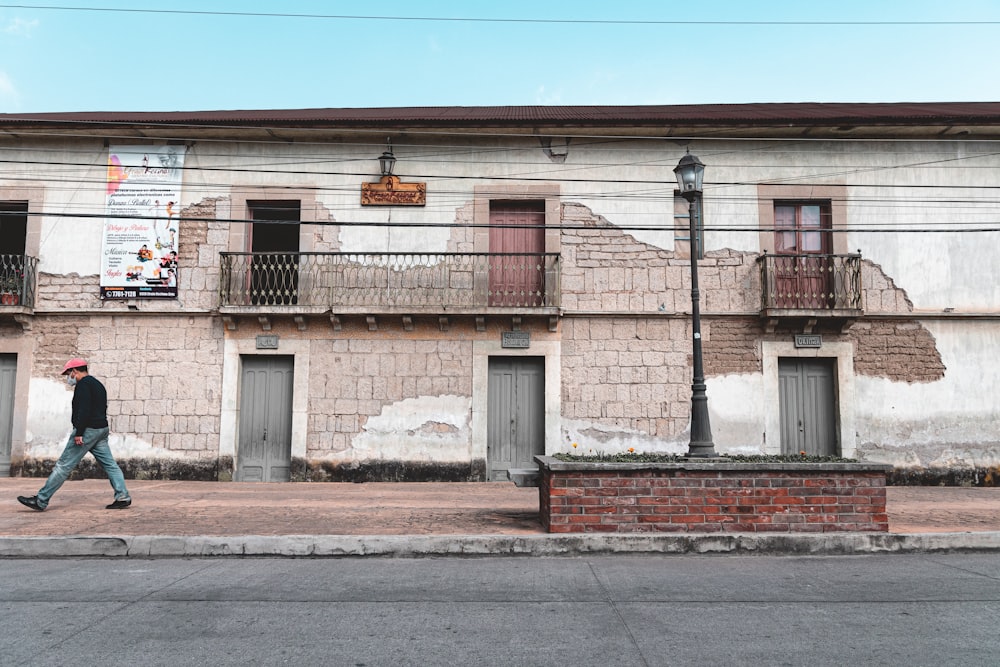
(30, 501)
(119, 504)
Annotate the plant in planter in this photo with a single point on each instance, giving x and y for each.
(10, 288)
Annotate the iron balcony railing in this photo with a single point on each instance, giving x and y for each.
(422, 281)
(810, 282)
(17, 280)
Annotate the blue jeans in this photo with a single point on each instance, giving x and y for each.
(95, 441)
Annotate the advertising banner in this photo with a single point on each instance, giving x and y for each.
(139, 252)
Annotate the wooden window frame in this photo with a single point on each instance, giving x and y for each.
(834, 195)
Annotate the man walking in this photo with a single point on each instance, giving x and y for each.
(90, 434)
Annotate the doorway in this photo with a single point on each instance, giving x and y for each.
(517, 244)
(515, 414)
(8, 377)
(264, 450)
(803, 244)
(274, 242)
(808, 405)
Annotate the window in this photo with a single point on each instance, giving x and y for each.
(274, 242)
(13, 234)
(802, 268)
(517, 243)
(13, 227)
(799, 228)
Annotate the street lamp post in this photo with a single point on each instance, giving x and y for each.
(690, 172)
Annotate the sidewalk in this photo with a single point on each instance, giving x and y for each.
(171, 518)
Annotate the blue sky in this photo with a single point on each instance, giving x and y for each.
(566, 52)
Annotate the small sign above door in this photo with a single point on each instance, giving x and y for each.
(267, 342)
(808, 340)
(517, 339)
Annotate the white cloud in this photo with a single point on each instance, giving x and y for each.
(20, 27)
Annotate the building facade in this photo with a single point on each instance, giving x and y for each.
(265, 300)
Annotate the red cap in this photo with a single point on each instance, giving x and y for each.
(75, 362)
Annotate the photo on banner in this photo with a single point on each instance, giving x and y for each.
(139, 251)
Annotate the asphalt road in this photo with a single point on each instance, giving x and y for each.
(917, 609)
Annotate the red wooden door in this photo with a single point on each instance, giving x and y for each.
(802, 275)
(517, 247)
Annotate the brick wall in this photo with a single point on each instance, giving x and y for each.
(702, 497)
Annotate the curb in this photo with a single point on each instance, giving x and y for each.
(421, 546)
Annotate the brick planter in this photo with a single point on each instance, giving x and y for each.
(721, 497)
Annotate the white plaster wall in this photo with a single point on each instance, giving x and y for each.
(50, 411)
(938, 270)
(437, 430)
(592, 438)
(738, 412)
(67, 244)
(955, 420)
(630, 183)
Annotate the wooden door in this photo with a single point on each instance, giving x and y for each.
(515, 414)
(802, 269)
(517, 247)
(264, 452)
(8, 377)
(808, 405)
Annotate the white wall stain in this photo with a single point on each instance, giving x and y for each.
(49, 424)
(592, 438)
(434, 429)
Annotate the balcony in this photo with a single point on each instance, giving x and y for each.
(402, 283)
(812, 287)
(17, 283)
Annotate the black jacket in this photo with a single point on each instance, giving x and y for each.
(90, 405)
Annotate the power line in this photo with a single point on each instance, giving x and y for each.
(993, 225)
(472, 19)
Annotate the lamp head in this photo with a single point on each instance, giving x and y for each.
(690, 172)
(387, 160)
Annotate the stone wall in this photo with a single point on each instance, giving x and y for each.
(627, 373)
(626, 353)
(903, 351)
(607, 270)
(899, 350)
(358, 377)
(162, 374)
(200, 240)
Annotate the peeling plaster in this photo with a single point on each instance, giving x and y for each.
(50, 423)
(50, 410)
(738, 413)
(909, 424)
(427, 428)
(594, 438)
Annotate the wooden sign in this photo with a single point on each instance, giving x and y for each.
(390, 192)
